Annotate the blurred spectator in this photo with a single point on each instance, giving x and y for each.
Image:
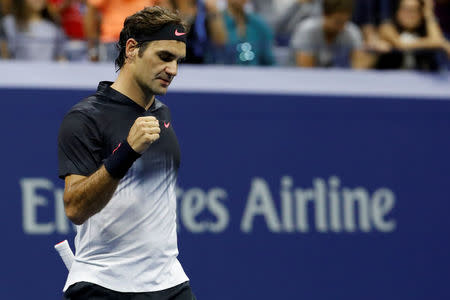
(369, 15)
(269, 10)
(70, 14)
(250, 39)
(104, 20)
(293, 15)
(330, 40)
(30, 32)
(415, 32)
(206, 28)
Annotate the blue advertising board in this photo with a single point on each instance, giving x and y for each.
(280, 196)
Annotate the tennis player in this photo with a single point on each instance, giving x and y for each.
(119, 156)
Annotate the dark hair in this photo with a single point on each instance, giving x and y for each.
(333, 6)
(22, 14)
(421, 30)
(144, 22)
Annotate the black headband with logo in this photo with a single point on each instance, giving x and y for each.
(171, 31)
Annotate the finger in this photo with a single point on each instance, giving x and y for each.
(149, 118)
(154, 137)
(152, 123)
(152, 130)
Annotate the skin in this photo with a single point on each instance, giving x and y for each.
(36, 6)
(236, 9)
(143, 76)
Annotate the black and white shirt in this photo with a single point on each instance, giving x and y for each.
(131, 244)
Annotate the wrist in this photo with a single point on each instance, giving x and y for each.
(122, 158)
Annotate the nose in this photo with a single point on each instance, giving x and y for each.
(172, 68)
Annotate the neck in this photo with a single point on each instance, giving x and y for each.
(330, 35)
(35, 16)
(127, 86)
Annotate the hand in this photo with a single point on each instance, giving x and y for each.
(378, 45)
(143, 133)
(211, 6)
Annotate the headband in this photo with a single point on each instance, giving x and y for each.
(170, 31)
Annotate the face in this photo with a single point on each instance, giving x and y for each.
(409, 14)
(335, 22)
(157, 65)
(36, 5)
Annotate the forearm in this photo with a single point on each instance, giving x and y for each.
(389, 34)
(4, 53)
(91, 28)
(89, 195)
(216, 27)
(423, 43)
(433, 29)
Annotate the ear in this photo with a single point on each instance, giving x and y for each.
(131, 49)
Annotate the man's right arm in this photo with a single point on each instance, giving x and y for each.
(303, 44)
(84, 196)
(92, 29)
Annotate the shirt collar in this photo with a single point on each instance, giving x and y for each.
(104, 89)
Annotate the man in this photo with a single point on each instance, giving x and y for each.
(330, 40)
(119, 157)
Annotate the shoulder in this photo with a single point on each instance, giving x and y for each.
(352, 28)
(310, 27)
(49, 26)
(311, 24)
(352, 31)
(86, 110)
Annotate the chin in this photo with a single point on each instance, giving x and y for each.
(160, 92)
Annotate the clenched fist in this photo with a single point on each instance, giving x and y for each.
(143, 133)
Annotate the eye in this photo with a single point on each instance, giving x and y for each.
(165, 58)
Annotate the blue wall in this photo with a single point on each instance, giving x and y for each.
(280, 197)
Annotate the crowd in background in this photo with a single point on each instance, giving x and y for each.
(362, 34)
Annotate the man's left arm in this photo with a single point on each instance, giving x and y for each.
(359, 58)
(216, 25)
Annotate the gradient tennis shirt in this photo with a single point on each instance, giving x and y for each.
(131, 244)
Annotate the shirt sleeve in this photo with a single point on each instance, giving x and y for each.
(303, 38)
(355, 37)
(79, 146)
